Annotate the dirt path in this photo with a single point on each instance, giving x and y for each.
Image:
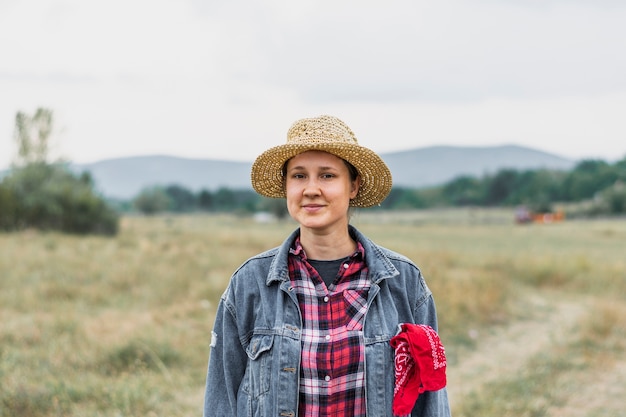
(507, 349)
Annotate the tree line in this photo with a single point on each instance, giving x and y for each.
(597, 181)
(178, 199)
(600, 182)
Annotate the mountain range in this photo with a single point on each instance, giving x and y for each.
(124, 178)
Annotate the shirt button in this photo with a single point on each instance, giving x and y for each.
(326, 299)
(346, 266)
(327, 378)
(327, 337)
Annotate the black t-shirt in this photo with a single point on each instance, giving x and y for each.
(328, 270)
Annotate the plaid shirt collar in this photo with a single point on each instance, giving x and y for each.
(297, 250)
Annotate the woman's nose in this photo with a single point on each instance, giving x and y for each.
(311, 188)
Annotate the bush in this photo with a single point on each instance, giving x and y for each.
(610, 201)
(152, 201)
(51, 197)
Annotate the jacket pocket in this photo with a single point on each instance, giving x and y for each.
(259, 366)
(380, 374)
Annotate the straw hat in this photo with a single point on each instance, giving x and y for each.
(328, 134)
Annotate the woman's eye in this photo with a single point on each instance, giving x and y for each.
(327, 176)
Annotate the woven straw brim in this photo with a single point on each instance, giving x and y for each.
(267, 176)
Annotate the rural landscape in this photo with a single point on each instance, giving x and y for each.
(533, 317)
(130, 135)
(107, 309)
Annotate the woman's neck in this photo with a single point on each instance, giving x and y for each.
(327, 246)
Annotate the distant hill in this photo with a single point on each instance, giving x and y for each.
(439, 164)
(124, 178)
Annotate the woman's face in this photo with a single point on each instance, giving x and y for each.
(319, 188)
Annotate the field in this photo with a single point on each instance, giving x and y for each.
(533, 317)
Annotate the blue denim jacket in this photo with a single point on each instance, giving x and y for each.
(254, 364)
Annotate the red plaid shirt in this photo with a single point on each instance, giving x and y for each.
(332, 373)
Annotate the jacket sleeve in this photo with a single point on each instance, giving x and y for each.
(424, 311)
(430, 403)
(226, 365)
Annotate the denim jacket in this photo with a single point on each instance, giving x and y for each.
(254, 364)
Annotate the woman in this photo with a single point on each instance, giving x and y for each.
(304, 329)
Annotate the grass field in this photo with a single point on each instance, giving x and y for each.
(533, 317)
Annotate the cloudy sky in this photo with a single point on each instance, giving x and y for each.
(225, 79)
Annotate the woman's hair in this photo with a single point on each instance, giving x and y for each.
(354, 173)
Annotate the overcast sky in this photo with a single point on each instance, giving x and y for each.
(225, 79)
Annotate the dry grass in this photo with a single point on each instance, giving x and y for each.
(95, 326)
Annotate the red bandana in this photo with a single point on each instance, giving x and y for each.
(420, 363)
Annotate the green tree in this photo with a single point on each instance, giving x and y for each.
(538, 189)
(205, 200)
(152, 200)
(501, 186)
(401, 198)
(45, 195)
(51, 197)
(588, 178)
(225, 199)
(182, 200)
(620, 166)
(464, 191)
(611, 200)
(32, 134)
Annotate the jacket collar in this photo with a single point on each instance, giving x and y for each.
(378, 264)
